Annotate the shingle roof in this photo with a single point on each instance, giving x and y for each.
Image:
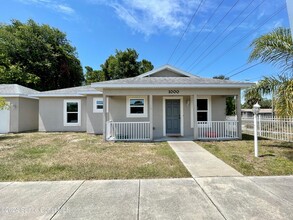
(73, 91)
(15, 89)
(156, 82)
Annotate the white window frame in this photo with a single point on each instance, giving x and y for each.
(209, 108)
(95, 109)
(145, 107)
(65, 113)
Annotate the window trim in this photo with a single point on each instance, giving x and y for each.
(209, 98)
(145, 107)
(65, 113)
(95, 109)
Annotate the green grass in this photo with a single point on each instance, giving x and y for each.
(275, 157)
(79, 156)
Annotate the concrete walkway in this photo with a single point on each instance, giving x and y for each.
(198, 198)
(200, 162)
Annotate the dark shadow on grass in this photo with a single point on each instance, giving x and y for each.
(249, 137)
(8, 137)
(267, 155)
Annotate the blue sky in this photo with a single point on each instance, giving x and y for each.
(154, 28)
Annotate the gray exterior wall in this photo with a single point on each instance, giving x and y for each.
(51, 114)
(94, 121)
(23, 114)
(28, 114)
(218, 108)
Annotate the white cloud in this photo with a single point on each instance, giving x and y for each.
(51, 4)
(152, 16)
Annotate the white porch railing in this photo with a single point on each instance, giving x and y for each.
(219, 130)
(128, 131)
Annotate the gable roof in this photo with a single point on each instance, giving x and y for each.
(189, 81)
(69, 92)
(166, 67)
(15, 90)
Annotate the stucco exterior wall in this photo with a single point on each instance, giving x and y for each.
(14, 109)
(94, 120)
(51, 114)
(218, 108)
(28, 114)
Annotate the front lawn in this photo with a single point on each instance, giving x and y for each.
(81, 156)
(275, 157)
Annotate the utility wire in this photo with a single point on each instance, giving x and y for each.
(194, 38)
(209, 33)
(222, 33)
(220, 42)
(185, 31)
(244, 70)
(244, 37)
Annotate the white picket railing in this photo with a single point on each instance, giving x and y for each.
(271, 128)
(128, 131)
(219, 130)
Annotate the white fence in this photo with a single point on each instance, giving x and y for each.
(271, 128)
(128, 131)
(219, 130)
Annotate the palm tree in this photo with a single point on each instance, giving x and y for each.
(276, 48)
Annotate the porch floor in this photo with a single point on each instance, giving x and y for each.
(173, 138)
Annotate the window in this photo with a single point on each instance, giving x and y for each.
(98, 105)
(202, 110)
(71, 112)
(137, 106)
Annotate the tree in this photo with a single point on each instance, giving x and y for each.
(2, 103)
(124, 64)
(230, 101)
(37, 56)
(93, 75)
(276, 48)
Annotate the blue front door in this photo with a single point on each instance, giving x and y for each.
(173, 116)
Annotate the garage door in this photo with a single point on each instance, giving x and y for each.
(4, 121)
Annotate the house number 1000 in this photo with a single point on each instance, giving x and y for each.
(173, 91)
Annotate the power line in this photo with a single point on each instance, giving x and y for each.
(191, 67)
(185, 31)
(244, 70)
(194, 38)
(224, 31)
(243, 38)
(209, 33)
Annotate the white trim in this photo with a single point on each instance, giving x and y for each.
(58, 95)
(95, 109)
(18, 96)
(191, 112)
(65, 112)
(181, 113)
(145, 110)
(209, 98)
(167, 67)
(190, 86)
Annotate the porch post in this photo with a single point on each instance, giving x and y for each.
(151, 117)
(238, 109)
(195, 129)
(105, 107)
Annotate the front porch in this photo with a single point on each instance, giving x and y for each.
(141, 131)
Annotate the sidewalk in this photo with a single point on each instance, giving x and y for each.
(198, 198)
(200, 162)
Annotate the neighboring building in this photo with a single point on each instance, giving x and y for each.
(264, 112)
(22, 112)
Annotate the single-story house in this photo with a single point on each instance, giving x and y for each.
(21, 113)
(161, 103)
(263, 112)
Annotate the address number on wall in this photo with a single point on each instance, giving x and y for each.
(173, 91)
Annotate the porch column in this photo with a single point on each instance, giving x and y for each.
(195, 129)
(151, 117)
(238, 110)
(105, 108)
